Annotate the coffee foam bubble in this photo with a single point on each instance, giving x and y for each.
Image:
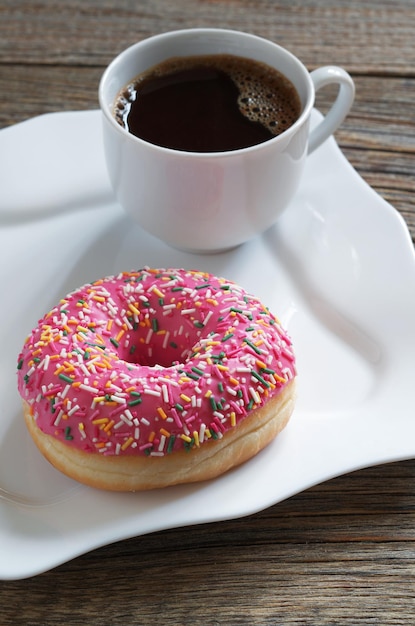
(268, 97)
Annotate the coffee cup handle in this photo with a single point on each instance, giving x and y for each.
(322, 77)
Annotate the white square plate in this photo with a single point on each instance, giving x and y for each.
(338, 269)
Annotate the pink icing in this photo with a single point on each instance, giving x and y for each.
(152, 361)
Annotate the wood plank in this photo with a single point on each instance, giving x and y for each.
(363, 36)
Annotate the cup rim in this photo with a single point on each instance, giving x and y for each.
(119, 58)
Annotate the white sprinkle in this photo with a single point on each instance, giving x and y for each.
(169, 381)
(117, 399)
(65, 392)
(84, 369)
(152, 392)
(165, 393)
(287, 373)
(131, 417)
(88, 388)
(112, 310)
(116, 388)
(58, 418)
(73, 410)
(128, 323)
(255, 395)
(202, 432)
(103, 292)
(208, 316)
(96, 358)
(171, 283)
(125, 419)
(166, 339)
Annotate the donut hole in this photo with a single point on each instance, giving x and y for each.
(164, 340)
(156, 353)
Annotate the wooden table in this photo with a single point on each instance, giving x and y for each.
(342, 552)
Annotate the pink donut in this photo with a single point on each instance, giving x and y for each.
(155, 377)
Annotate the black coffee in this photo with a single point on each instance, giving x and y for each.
(211, 103)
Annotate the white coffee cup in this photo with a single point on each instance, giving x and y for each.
(207, 202)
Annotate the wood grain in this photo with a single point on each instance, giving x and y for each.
(342, 552)
(367, 37)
